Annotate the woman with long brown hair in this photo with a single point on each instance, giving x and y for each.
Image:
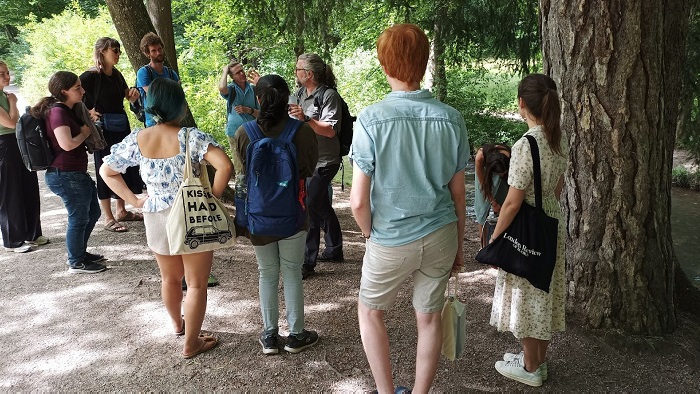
(530, 313)
(107, 108)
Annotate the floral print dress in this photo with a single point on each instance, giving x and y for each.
(518, 306)
(161, 176)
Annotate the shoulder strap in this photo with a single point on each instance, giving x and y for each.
(253, 130)
(98, 84)
(290, 129)
(318, 98)
(231, 97)
(535, 151)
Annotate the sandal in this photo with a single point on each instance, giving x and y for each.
(115, 227)
(182, 330)
(207, 344)
(131, 217)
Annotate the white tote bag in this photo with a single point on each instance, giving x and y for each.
(198, 221)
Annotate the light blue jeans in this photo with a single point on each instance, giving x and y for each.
(79, 195)
(285, 256)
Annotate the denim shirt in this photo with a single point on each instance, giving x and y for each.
(410, 145)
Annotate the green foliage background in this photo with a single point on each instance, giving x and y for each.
(206, 42)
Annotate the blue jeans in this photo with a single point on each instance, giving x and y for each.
(285, 255)
(79, 195)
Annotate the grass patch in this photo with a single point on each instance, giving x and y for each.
(682, 177)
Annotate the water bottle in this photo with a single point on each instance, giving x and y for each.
(241, 187)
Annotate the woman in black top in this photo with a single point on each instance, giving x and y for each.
(105, 90)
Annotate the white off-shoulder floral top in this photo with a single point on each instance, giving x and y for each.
(161, 176)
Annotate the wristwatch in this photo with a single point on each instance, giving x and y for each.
(307, 118)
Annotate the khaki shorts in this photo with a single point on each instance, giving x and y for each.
(156, 234)
(429, 260)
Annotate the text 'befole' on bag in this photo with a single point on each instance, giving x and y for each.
(198, 221)
(528, 247)
(454, 324)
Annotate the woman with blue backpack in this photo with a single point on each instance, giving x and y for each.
(274, 213)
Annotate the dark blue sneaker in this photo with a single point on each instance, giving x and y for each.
(270, 343)
(298, 342)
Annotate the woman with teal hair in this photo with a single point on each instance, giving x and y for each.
(160, 151)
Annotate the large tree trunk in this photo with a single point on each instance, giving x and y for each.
(132, 21)
(160, 13)
(618, 64)
(437, 60)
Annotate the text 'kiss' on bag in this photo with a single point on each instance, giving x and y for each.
(198, 221)
(528, 247)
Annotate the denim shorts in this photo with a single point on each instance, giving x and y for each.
(428, 260)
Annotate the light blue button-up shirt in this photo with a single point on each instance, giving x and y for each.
(410, 145)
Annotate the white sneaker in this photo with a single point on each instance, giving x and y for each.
(513, 356)
(20, 249)
(514, 370)
(41, 240)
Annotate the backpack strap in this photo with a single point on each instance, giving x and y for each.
(318, 98)
(253, 130)
(290, 129)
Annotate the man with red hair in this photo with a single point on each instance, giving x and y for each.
(408, 198)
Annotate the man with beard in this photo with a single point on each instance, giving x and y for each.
(152, 48)
(316, 78)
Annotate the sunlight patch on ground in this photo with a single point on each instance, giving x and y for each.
(55, 212)
(60, 363)
(348, 386)
(478, 275)
(323, 307)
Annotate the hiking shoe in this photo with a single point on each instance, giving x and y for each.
(94, 258)
(270, 343)
(326, 257)
(40, 240)
(298, 342)
(307, 272)
(520, 356)
(24, 248)
(86, 268)
(516, 371)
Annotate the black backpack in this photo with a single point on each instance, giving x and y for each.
(347, 121)
(33, 144)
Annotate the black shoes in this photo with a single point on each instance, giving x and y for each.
(298, 342)
(326, 257)
(307, 272)
(270, 343)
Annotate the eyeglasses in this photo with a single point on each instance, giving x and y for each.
(300, 69)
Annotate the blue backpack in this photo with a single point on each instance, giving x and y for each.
(275, 200)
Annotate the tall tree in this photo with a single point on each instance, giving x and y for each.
(132, 21)
(618, 64)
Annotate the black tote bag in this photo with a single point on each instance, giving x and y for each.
(528, 247)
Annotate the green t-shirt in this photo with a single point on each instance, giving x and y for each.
(5, 104)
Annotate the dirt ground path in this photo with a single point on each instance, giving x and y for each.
(109, 331)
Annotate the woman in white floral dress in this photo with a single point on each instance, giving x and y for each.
(529, 313)
(160, 151)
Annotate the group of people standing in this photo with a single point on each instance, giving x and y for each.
(411, 215)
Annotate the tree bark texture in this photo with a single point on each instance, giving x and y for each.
(618, 64)
(131, 20)
(437, 60)
(160, 13)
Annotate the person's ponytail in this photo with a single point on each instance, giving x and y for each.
(551, 115)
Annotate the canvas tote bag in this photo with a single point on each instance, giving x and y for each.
(528, 247)
(198, 221)
(454, 324)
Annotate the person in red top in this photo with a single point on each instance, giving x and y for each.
(68, 177)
